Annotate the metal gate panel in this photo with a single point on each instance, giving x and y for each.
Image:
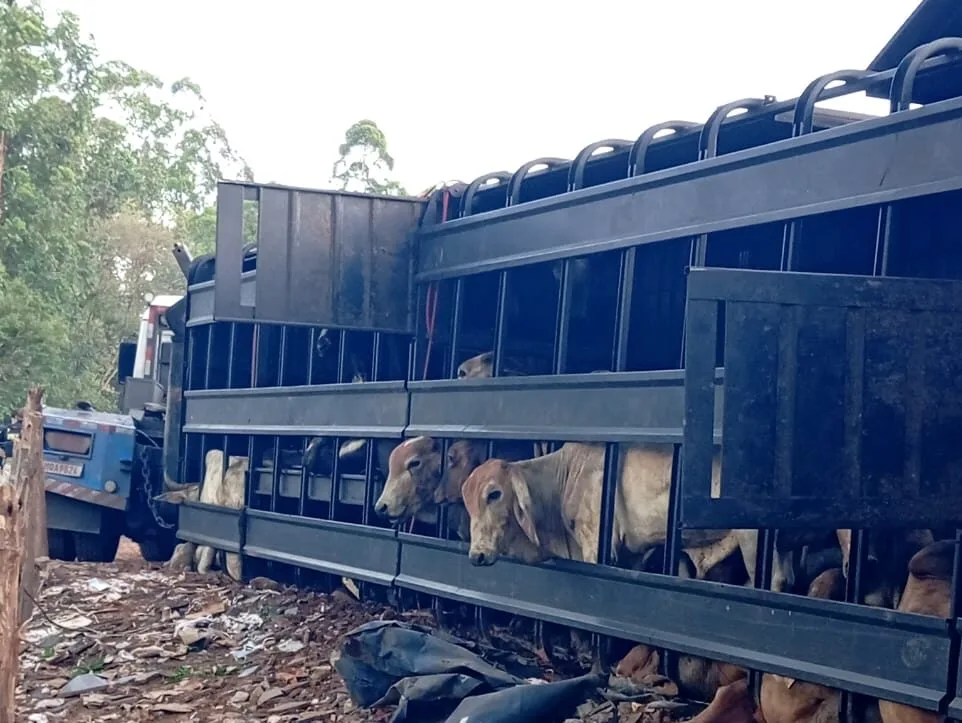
(372, 409)
(333, 259)
(339, 548)
(599, 407)
(229, 253)
(817, 640)
(219, 527)
(842, 402)
(882, 160)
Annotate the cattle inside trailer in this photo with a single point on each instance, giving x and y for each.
(782, 283)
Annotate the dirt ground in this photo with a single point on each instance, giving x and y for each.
(132, 641)
(138, 643)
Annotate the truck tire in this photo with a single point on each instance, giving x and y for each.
(96, 548)
(61, 545)
(158, 549)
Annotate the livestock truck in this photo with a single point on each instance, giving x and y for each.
(103, 469)
(777, 285)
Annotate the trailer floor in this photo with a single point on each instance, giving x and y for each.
(132, 641)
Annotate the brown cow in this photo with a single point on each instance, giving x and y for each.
(788, 700)
(550, 507)
(890, 551)
(414, 473)
(927, 592)
(698, 678)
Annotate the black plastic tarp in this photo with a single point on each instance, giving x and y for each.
(433, 680)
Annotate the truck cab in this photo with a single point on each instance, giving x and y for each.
(88, 458)
(103, 468)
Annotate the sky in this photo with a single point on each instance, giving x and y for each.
(465, 88)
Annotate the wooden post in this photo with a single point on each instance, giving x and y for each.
(18, 572)
(34, 501)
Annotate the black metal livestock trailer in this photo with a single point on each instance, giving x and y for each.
(785, 279)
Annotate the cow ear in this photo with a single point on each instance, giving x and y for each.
(523, 508)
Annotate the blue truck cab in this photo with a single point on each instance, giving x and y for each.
(88, 458)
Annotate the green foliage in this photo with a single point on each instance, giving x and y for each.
(364, 163)
(102, 168)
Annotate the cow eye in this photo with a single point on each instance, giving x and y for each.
(414, 463)
(494, 496)
(462, 374)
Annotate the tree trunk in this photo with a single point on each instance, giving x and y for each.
(18, 570)
(3, 166)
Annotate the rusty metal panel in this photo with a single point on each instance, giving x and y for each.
(330, 258)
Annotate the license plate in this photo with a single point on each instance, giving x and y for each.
(62, 468)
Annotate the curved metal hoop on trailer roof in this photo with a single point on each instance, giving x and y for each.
(708, 140)
(803, 119)
(576, 174)
(903, 82)
(803, 123)
(639, 149)
(519, 176)
(467, 199)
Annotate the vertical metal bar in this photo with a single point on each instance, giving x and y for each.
(305, 480)
(335, 480)
(276, 479)
(210, 355)
(626, 286)
(416, 344)
(499, 323)
(456, 312)
(369, 498)
(499, 329)
(376, 357)
(230, 354)
(252, 464)
(311, 353)
(282, 358)
(562, 320)
(341, 353)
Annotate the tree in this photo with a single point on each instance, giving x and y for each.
(102, 167)
(364, 162)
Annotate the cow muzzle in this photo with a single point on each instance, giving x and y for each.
(482, 558)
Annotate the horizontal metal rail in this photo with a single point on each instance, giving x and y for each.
(816, 640)
(876, 161)
(600, 407)
(218, 527)
(372, 409)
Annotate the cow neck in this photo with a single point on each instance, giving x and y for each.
(546, 478)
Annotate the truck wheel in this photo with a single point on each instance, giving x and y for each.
(158, 549)
(97, 548)
(60, 545)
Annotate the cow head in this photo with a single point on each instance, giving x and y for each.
(499, 504)
(414, 473)
(185, 493)
(477, 367)
(464, 456)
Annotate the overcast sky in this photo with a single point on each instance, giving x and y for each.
(464, 88)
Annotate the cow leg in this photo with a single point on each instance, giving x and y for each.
(748, 546)
(232, 563)
(783, 571)
(705, 558)
(845, 543)
(733, 703)
(205, 558)
(182, 557)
